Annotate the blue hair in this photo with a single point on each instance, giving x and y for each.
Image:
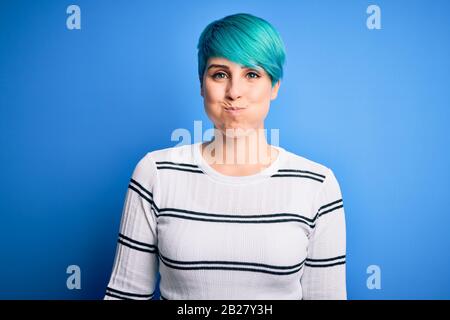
(244, 39)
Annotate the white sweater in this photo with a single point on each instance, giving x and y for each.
(278, 234)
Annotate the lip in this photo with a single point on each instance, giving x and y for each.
(234, 109)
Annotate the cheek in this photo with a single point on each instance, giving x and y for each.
(213, 93)
(260, 94)
(213, 96)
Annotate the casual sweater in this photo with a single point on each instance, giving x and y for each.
(277, 234)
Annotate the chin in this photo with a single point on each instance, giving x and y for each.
(236, 132)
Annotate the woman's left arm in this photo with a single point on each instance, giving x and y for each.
(325, 266)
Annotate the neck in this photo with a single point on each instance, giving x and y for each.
(242, 148)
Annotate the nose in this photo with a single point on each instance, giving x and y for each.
(235, 88)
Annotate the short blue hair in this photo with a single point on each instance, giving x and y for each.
(244, 39)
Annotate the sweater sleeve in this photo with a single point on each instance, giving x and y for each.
(135, 268)
(324, 275)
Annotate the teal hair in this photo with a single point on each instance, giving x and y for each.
(244, 39)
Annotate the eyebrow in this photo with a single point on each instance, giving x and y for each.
(226, 67)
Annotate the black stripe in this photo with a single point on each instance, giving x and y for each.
(230, 268)
(330, 204)
(235, 221)
(137, 248)
(295, 175)
(236, 216)
(233, 262)
(332, 209)
(324, 265)
(328, 259)
(180, 169)
(125, 298)
(151, 246)
(302, 171)
(319, 213)
(177, 164)
(145, 197)
(130, 294)
(140, 193)
(239, 216)
(141, 187)
(116, 296)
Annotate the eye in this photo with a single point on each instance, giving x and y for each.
(219, 75)
(253, 75)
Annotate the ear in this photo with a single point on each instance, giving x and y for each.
(275, 90)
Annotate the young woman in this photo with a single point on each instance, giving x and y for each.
(234, 217)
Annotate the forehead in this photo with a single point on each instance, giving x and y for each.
(224, 61)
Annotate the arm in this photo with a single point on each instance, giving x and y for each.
(135, 269)
(324, 270)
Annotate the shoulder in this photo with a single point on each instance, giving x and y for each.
(178, 153)
(147, 165)
(328, 190)
(305, 166)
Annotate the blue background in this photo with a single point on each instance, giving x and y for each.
(79, 108)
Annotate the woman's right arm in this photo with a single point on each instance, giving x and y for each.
(135, 269)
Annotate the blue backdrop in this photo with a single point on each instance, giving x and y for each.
(79, 108)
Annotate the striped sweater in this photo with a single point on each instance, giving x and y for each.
(277, 234)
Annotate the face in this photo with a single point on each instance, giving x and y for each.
(236, 97)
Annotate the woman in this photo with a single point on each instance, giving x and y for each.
(235, 217)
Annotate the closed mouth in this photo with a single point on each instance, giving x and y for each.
(233, 108)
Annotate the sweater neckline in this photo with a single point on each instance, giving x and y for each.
(207, 169)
